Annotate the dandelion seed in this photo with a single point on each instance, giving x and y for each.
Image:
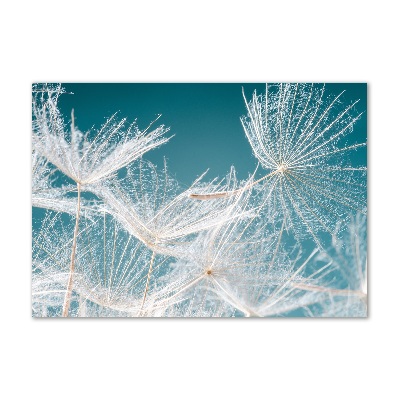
(148, 204)
(110, 268)
(236, 270)
(297, 133)
(83, 160)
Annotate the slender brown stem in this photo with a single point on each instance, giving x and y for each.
(67, 298)
(147, 282)
(217, 195)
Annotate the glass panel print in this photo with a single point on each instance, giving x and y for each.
(199, 200)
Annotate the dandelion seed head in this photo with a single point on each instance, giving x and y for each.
(281, 168)
(299, 135)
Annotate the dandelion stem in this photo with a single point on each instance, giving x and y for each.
(148, 281)
(67, 298)
(217, 195)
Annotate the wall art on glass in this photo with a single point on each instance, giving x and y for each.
(199, 200)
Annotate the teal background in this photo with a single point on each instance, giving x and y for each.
(204, 117)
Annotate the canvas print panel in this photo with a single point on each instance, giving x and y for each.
(240, 200)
